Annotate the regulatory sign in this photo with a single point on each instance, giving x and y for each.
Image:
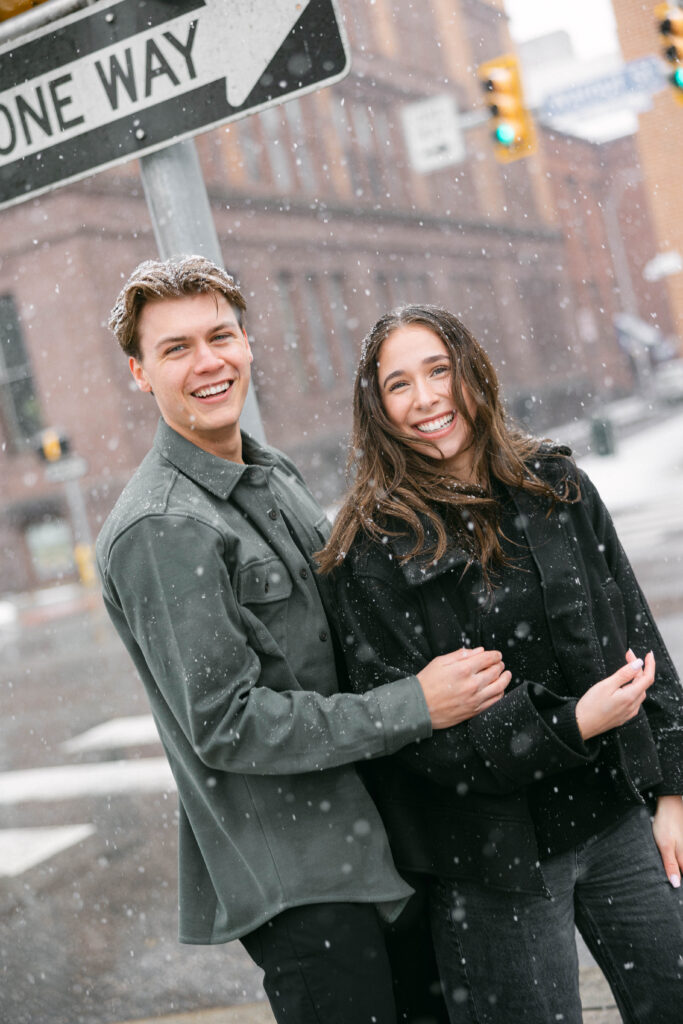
(646, 75)
(433, 134)
(122, 78)
(72, 467)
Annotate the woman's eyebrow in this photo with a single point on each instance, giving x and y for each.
(425, 362)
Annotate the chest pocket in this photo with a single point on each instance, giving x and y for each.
(263, 590)
(263, 582)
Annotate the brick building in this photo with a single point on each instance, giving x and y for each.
(325, 223)
(659, 141)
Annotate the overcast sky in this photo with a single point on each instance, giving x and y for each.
(590, 23)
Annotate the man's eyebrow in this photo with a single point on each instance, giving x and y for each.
(171, 339)
(427, 361)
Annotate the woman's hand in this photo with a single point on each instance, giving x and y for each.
(667, 828)
(458, 685)
(616, 699)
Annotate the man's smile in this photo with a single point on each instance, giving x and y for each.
(212, 389)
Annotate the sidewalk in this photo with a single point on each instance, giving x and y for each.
(597, 1000)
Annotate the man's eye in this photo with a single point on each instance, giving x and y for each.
(174, 349)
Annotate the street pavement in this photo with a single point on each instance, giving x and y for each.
(87, 805)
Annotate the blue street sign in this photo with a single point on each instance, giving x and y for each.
(644, 76)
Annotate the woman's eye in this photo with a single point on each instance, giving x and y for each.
(397, 384)
(440, 370)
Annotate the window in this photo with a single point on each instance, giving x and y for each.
(277, 152)
(317, 332)
(342, 323)
(303, 159)
(290, 331)
(19, 407)
(51, 546)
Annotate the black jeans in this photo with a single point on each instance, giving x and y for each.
(325, 964)
(511, 957)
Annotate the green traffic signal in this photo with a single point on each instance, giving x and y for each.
(505, 134)
(677, 78)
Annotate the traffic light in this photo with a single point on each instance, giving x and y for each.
(513, 130)
(10, 8)
(51, 445)
(670, 24)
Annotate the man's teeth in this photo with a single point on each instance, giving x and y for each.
(429, 428)
(215, 389)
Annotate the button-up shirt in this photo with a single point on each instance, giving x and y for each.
(209, 579)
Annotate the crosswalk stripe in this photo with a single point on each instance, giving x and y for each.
(66, 782)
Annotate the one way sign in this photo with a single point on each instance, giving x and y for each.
(122, 78)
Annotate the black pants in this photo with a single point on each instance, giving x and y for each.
(325, 964)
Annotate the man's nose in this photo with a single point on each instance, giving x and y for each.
(206, 359)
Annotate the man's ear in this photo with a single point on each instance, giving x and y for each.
(139, 374)
(246, 342)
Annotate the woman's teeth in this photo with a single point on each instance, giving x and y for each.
(433, 425)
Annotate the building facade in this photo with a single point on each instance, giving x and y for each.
(326, 224)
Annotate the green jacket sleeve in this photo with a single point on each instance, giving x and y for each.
(168, 591)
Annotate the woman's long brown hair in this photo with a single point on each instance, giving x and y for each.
(394, 488)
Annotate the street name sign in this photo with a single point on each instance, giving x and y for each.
(642, 77)
(122, 78)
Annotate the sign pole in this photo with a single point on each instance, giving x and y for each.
(183, 225)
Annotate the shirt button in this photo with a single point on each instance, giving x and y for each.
(323, 635)
(272, 512)
(303, 573)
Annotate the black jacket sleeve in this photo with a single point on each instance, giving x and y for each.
(664, 702)
(511, 744)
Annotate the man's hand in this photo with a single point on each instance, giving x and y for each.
(458, 685)
(616, 699)
(667, 828)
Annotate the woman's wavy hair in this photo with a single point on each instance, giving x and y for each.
(397, 490)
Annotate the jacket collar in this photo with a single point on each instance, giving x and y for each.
(420, 570)
(219, 476)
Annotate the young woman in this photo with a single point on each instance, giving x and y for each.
(534, 814)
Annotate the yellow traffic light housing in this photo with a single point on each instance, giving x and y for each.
(514, 133)
(10, 8)
(670, 25)
(52, 446)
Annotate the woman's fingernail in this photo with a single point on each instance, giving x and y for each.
(675, 881)
(638, 663)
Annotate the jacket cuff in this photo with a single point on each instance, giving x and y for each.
(403, 712)
(562, 721)
(670, 755)
(513, 736)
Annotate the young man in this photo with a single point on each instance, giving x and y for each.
(208, 576)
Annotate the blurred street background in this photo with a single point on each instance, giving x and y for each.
(561, 247)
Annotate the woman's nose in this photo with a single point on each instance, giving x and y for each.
(424, 394)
